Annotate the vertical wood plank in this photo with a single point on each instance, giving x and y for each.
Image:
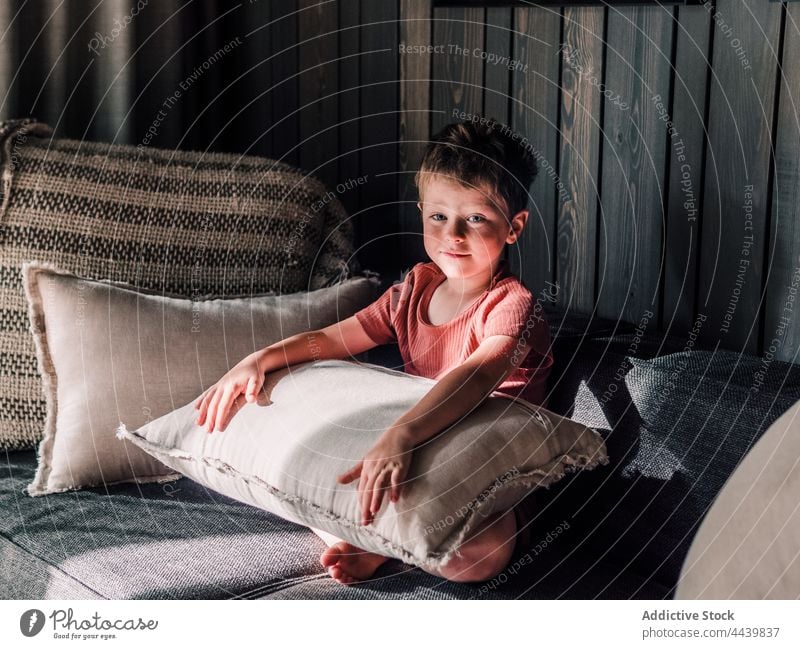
(158, 75)
(251, 129)
(735, 207)
(379, 133)
(414, 123)
(457, 74)
(319, 81)
(8, 61)
(782, 312)
(631, 233)
(534, 116)
(349, 108)
(581, 104)
(686, 144)
(284, 90)
(497, 73)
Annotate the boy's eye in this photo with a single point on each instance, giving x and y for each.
(436, 217)
(477, 218)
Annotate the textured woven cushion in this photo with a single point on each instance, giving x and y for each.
(186, 223)
(316, 420)
(108, 352)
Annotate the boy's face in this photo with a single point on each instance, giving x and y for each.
(465, 229)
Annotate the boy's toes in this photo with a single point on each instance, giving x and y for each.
(330, 556)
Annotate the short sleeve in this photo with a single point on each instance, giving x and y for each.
(376, 319)
(511, 309)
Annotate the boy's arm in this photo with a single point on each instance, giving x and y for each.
(462, 389)
(219, 403)
(339, 340)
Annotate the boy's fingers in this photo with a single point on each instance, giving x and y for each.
(350, 475)
(378, 493)
(223, 407)
(251, 389)
(396, 484)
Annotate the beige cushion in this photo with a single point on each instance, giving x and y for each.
(748, 545)
(284, 456)
(109, 353)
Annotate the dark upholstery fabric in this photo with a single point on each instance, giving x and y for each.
(676, 425)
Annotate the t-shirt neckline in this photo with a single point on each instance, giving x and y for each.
(439, 278)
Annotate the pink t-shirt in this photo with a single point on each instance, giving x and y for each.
(506, 307)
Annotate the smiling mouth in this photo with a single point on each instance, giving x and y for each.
(455, 254)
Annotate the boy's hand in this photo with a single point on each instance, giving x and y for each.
(221, 401)
(384, 467)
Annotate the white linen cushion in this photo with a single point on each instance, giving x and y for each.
(316, 420)
(109, 352)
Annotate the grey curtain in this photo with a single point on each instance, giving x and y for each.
(188, 74)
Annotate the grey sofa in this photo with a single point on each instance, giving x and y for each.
(676, 424)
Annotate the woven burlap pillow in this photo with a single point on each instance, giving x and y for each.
(109, 353)
(317, 420)
(186, 223)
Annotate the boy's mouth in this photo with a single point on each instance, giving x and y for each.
(455, 255)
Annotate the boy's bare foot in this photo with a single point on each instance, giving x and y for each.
(348, 564)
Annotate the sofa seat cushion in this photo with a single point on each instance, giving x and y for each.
(181, 541)
(151, 541)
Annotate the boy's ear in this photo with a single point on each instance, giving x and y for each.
(419, 206)
(517, 224)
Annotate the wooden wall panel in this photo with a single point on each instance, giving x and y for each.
(379, 132)
(414, 122)
(284, 44)
(319, 83)
(497, 75)
(581, 115)
(735, 209)
(782, 305)
(534, 115)
(631, 227)
(686, 140)
(350, 56)
(457, 82)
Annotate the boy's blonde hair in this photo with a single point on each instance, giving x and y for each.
(481, 152)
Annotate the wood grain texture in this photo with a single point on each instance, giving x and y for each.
(284, 46)
(319, 82)
(534, 116)
(379, 133)
(496, 73)
(782, 308)
(734, 209)
(457, 75)
(686, 153)
(414, 122)
(581, 105)
(253, 115)
(631, 220)
(349, 101)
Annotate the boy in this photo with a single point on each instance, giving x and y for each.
(461, 318)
